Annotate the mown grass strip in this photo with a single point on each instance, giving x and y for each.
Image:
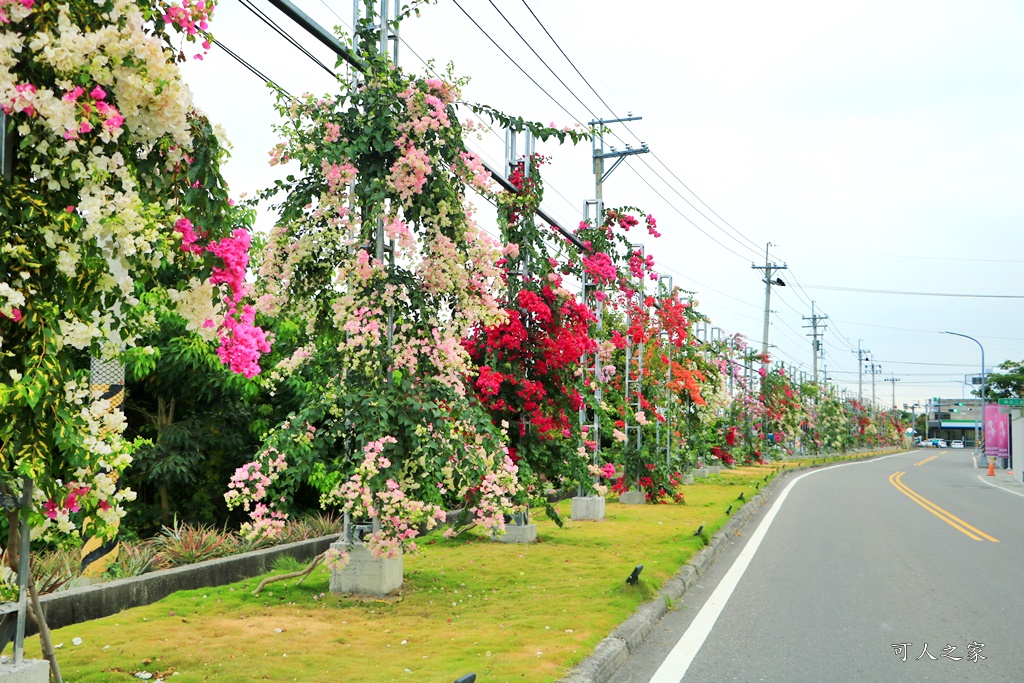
(506, 612)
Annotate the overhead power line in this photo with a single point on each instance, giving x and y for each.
(287, 36)
(937, 294)
(753, 245)
(521, 69)
(679, 194)
(697, 197)
(535, 54)
(573, 65)
(591, 112)
(683, 215)
(259, 74)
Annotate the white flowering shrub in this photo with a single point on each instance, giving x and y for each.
(115, 212)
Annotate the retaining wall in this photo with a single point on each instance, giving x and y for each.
(76, 605)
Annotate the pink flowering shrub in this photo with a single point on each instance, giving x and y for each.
(249, 488)
(397, 436)
(111, 168)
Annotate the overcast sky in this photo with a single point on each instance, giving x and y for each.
(876, 145)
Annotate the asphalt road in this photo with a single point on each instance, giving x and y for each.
(850, 561)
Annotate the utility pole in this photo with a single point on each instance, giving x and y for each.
(862, 355)
(875, 370)
(817, 349)
(893, 379)
(769, 267)
(599, 155)
(585, 507)
(382, 13)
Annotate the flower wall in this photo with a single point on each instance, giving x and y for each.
(430, 366)
(377, 257)
(114, 214)
(529, 367)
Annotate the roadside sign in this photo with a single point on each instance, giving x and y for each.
(1011, 401)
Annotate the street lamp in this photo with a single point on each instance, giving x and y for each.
(978, 415)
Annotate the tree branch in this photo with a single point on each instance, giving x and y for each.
(282, 577)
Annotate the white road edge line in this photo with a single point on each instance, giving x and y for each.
(997, 486)
(678, 661)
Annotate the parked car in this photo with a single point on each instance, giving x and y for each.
(943, 444)
(957, 444)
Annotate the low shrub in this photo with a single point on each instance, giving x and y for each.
(187, 544)
(134, 558)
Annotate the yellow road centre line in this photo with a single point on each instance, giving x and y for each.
(918, 464)
(947, 517)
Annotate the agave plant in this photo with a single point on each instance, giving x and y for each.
(53, 570)
(56, 570)
(186, 544)
(323, 523)
(134, 558)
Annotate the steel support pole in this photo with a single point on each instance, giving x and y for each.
(979, 414)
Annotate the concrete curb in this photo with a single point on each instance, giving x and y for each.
(76, 605)
(612, 652)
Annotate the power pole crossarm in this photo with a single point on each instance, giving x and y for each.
(817, 349)
(769, 267)
(893, 379)
(862, 355)
(599, 155)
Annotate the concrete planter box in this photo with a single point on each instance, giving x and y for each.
(28, 671)
(517, 529)
(517, 533)
(715, 469)
(633, 498)
(701, 473)
(365, 574)
(588, 508)
(687, 478)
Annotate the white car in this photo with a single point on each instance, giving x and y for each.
(942, 443)
(957, 444)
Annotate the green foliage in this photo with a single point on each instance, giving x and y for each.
(288, 564)
(1007, 383)
(87, 222)
(53, 569)
(186, 544)
(539, 130)
(134, 558)
(193, 418)
(369, 130)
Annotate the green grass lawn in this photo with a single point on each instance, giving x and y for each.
(503, 611)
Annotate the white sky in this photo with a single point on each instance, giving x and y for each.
(877, 145)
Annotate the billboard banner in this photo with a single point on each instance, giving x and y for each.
(997, 432)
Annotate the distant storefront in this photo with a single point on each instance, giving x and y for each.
(954, 419)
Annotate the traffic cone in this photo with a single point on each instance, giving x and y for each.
(991, 467)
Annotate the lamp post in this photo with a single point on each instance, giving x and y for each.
(978, 415)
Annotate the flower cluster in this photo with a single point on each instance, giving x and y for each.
(109, 156)
(241, 341)
(397, 515)
(659, 484)
(381, 298)
(529, 367)
(93, 112)
(249, 487)
(492, 498)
